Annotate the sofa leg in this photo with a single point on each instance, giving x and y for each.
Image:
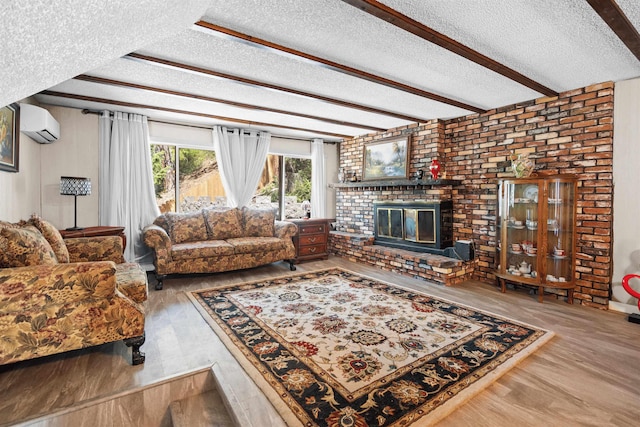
(159, 281)
(291, 266)
(137, 357)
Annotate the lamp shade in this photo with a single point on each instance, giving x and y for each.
(73, 186)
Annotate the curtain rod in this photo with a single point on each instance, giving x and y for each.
(99, 112)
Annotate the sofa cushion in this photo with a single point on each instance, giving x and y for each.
(204, 249)
(186, 227)
(223, 223)
(53, 236)
(249, 245)
(23, 247)
(131, 280)
(258, 222)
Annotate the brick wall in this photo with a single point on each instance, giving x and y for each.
(571, 133)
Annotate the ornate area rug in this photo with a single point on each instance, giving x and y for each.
(335, 348)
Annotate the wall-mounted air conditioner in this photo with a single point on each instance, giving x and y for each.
(38, 124)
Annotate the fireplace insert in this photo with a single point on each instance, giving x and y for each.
(418, 225)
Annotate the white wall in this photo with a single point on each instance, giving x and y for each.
(626, 194)
(331, 154)
(76, 153)
(20, 192)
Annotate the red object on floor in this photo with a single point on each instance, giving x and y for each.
(629, 289)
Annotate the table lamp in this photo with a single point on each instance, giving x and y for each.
(73, 186)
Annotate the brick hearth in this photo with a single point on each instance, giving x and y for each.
(435, 268)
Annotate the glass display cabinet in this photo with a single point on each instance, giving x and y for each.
(536, 233)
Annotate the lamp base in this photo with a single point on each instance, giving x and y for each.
(74, 229)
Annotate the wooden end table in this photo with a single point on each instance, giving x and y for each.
(312, 239)
(102, 230)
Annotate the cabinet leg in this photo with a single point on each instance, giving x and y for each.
(503, 285)
(570, 296)
(540, 294)
(292, 267)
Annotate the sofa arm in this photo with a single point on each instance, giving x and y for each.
(99, 248)
(32, 288)
(157, 239)
(285, 229)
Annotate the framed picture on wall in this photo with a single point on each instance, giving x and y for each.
(9, 137)
(386, 159)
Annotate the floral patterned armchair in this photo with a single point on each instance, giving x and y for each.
(58, 295)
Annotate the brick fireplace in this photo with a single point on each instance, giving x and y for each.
(571, 133)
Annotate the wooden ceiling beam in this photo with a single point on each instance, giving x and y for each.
(101, 80)
(190, 68)
(396, 18)
(335, 66)
(611, 13)
(187, 112)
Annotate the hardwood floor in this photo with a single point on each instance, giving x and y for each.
(588, 374)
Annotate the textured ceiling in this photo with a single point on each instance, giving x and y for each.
(562, 45)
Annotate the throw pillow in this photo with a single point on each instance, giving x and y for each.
(53, 236)
(258, 222)
(23, 247)
(186, 227)
(5, 224)
(223, 223)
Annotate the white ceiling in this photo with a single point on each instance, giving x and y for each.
(561, 45)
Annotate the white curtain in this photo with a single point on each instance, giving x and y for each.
(104, 184)
(241, 156)
(127, 180)
(318, 181)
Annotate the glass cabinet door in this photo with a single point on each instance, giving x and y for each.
(518, 238)
(560, 229)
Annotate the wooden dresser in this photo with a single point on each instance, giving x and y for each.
(312, 239)
(96, 231)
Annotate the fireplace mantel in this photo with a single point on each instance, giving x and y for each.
(398, 183)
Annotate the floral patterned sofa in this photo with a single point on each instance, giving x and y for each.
(58, 295)
(218, 239)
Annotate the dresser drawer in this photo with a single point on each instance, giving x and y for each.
(312, 228)
(313, 239)
(312, 250)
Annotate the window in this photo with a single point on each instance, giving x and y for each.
(163, 163)
(198, 180)
(199, 184)
(295, 173)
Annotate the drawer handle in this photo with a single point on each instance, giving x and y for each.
(312, 239)
(312, 249)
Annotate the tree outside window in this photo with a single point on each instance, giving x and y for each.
(199, 184)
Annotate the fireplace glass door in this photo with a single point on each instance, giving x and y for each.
(390, 223)
(420, 225)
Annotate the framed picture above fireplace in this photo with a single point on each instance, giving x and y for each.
(387, 159)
